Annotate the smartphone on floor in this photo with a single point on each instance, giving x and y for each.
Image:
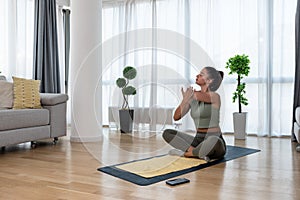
(177, 181)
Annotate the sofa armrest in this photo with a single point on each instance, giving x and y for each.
(57, 105)
(51, 99)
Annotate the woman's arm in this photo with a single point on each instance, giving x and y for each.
(181, 110)
(208, 97)
(184, 106)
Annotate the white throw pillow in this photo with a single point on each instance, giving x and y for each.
(6, 95)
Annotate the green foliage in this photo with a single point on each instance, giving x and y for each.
(129, 73)
(121, 82)
(240, 91)
(239, 64)
(129, 90)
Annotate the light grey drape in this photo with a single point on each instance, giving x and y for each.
(66, 16)
(45, 51)
(297, 69)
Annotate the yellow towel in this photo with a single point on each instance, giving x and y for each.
(160, 165)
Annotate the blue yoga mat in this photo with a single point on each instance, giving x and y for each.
(233, 152)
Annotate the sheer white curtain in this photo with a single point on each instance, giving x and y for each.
(156, 81)
(62, 55)
(16, 38)
(61, 45)
(264, 30)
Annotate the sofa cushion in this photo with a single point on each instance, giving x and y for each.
(26, 93)
(23, 118)
(6, 95)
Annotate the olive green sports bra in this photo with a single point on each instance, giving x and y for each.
(204, 114)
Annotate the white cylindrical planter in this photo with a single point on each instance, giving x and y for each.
(239, 125)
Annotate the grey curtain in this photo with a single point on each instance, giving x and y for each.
(297, 69)
(66, 18)
(45, 55)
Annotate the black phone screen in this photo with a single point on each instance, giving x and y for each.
(177, 181)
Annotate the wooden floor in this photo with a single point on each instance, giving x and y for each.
(69, 171)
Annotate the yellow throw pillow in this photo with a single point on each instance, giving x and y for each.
(26, 93)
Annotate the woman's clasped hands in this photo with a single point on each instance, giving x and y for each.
(187, 95)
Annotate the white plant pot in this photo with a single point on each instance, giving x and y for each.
(239, 125)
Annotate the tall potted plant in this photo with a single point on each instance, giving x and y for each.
(125, 113)
(239, 65)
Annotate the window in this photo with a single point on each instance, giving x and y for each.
(264, 30)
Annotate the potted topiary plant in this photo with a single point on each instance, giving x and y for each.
(125, 113)
(239, 65)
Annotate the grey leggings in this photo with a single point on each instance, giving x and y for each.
(209, 144)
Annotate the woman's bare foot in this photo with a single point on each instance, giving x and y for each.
(189, 153)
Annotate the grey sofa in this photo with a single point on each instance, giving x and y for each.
(30, 125)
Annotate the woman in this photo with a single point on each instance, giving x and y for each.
(204, 107)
